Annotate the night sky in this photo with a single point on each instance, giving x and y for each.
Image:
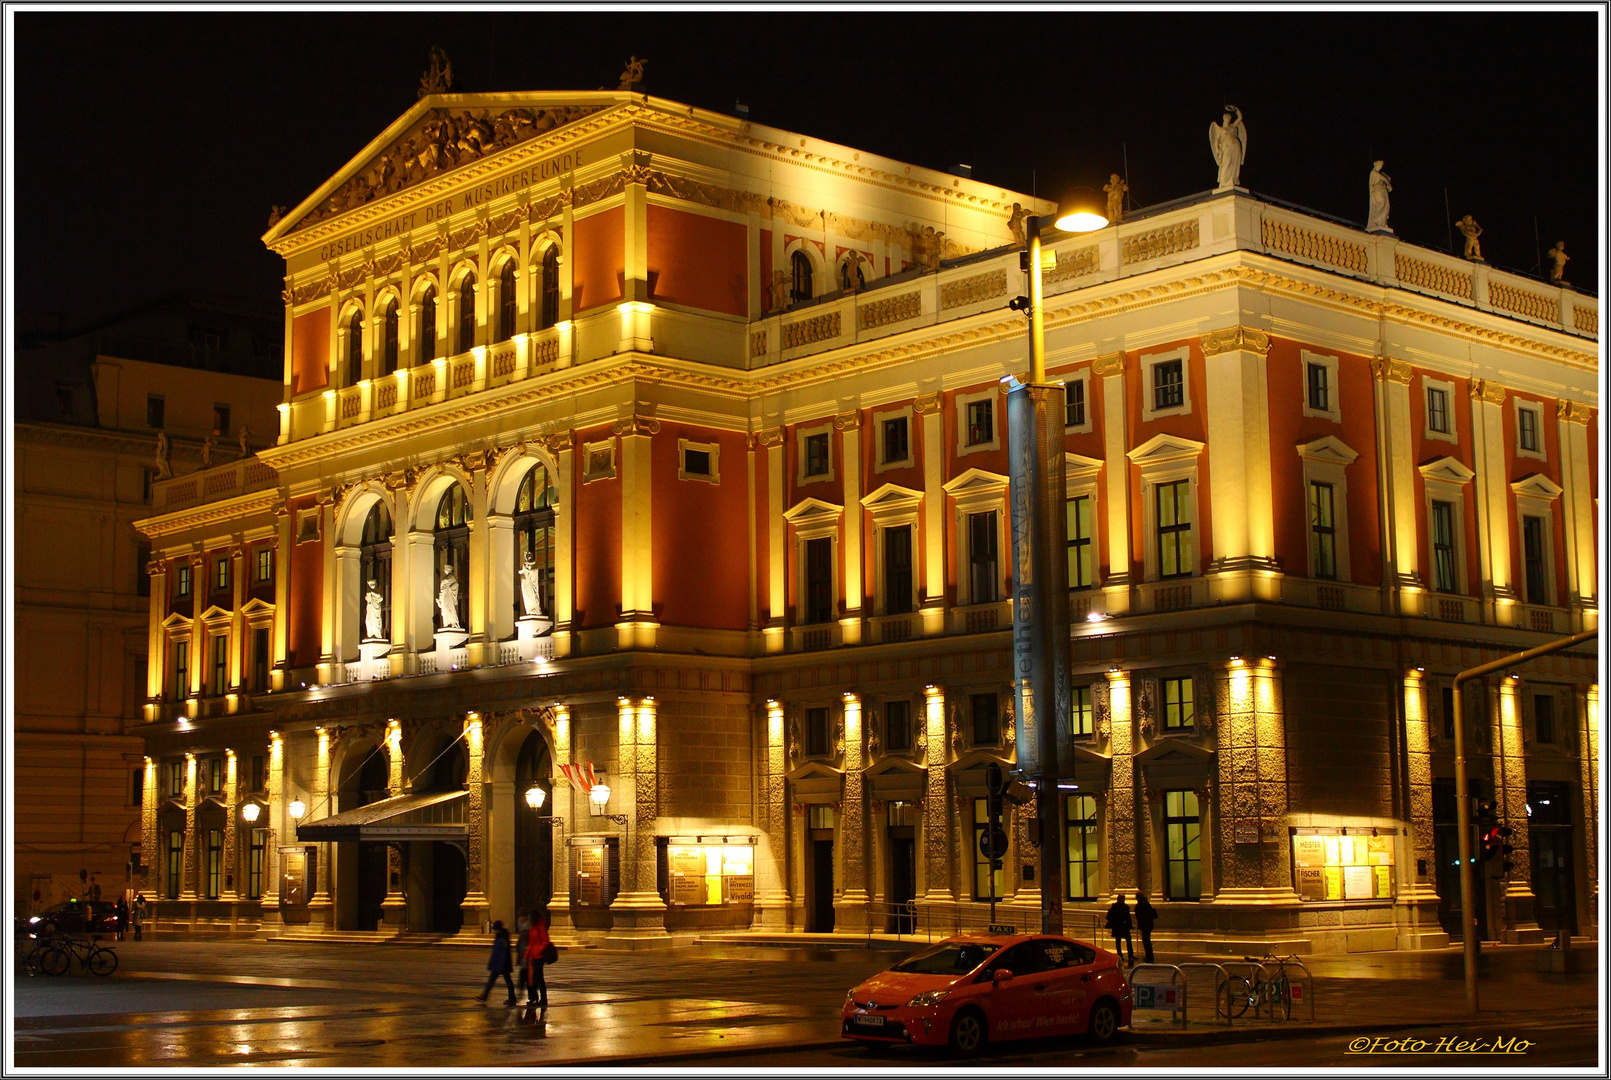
(148, 148)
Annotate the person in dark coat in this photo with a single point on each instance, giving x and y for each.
(1119, 927)
(500, 963)
(1146, 916)
(122, 911)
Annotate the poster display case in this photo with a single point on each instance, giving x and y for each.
(1345, 863)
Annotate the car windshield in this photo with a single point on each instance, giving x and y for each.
(66, 905)
(946, 958)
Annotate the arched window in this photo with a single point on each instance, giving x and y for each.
(506, 301)
(550, 301)
(375, 570)
(466, 314)
(389, 347)
(534, 539)
(427, 334)
(453, 554)
(355, 349)
(802, 278)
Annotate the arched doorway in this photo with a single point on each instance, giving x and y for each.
(534, 840)
(449, 879)
(365, 783)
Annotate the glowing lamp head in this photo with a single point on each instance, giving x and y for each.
(600, 795)
(250, 811)
(535, 797)
(297, 809)
(1081, 210)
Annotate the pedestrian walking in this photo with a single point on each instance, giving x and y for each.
(501, 962)
(540, 952)
(522, 939)
(1119, 926)
(137, 915)
(1146, 916)
(122, 910)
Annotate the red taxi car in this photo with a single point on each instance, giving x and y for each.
(969, 990)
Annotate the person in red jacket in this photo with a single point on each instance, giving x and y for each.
(540, 952)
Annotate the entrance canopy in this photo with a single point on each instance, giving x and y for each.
(431, 815)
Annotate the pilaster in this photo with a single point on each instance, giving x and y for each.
(1578, 511)
(156, 647)
(1237, 420)
(1116, 482)
(1492, 496)
(271, 921)
(564, 808)
(929, 407)
(237, 626)
(280, 677)
(188, 890)
(850, 905)
(321, 912)
(936, 827)
(394, 908)
(474, 907)
(776, 561)
(560, 445)
(1407, 592)
(637, 625)
(232, 855)
(1519, 923)
(480, 642)
(328, 661)
(1417, 888)
(1123, 852)
(1252, 756)
(849, 426)
(771, 856)
(638, 910)
(150, 853)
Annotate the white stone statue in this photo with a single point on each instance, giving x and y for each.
(373, 628)
(1557, 256)
(1229, 143)
(530, 596)
(447, 599)
(1380, 185)
(246, 441)
(207, 453)
(164, 463)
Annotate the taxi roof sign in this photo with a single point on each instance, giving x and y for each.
(1002, 928)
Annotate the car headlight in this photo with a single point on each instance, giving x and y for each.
(850, 995)
(33, 920)
(932, 997)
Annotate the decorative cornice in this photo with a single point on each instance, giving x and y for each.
(1108, 364)
(1236, 337)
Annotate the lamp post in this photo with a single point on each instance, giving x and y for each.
(597, 799)
(1040, 568)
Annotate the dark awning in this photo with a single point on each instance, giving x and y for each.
(431, 815)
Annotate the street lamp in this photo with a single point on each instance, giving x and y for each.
(535, 797)
(296, 809)
(598, 798)
(1035, 471)
(250, 812)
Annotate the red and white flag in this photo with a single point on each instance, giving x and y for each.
(580, 774)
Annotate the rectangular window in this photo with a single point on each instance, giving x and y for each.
(1527, 428)
(176, 862)
(898, 725)
(215, 775)
(256, 863)
(1079, 717)
(1174, 528)
(986, 720)
(220, 663)
(982, 575)
(820, 816)
(1319, 388)
(1448, 712)
(988, 884)
(1168, 384)
(816, 454)
(817, 732)
(1323, 530)
(154, 410)
(819, 580)
(696, 462)
(142, 577)
(898, 570)
(1074, 403)
(1533, 558)
(181, 579)
(1443, 575)
(176, 779)
(981, 422)
(1179, 710)
(1083, 860)
(148, 477)
(220, 419)
(221, 574)
(265, 564)
(259, 777)
(896, 443)
(181, 670)
(1437, 410)
(260, 659)
(1081, 562)
(1544, 718)
(137, 787)
(215, 863)
(1183, 843)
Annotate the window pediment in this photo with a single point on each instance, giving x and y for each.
(814, 770)
(892, 504)
(1080, 467)
(810, 511)
(976, 482)
(1537, 486)
(1446, 470)
(1328, 450)
(1166, 449)
(176, 621)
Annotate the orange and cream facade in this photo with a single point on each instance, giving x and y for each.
(627, 441)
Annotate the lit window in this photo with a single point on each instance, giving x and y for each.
(1323, 530)
(506, 301)
(221, 573)
(181, 670)
(896, 445)
(1083, 858)
(1437, 410)
(816, 455)
(467, 313)
(1081, 568)
(1183, 842)
(801, 289)
(1079, 718)
(1527, 428)
(1179, 708)
(1172, 501)
(1319, 388)
(181, 579)
(1074, 403)
(981, 422)
(1443, 569)
(427, 334)
(265, 564)
(988, 883)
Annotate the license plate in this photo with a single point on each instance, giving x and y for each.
(863, 1020)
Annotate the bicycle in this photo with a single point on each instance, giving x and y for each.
(1274, 990)
(57, 955)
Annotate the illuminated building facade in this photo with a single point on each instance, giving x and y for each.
(623, 436)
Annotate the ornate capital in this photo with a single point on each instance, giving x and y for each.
(1572, 412)
(1486, 390)
(473, 461)
(929, 403)
(636, 425)
(1390, 370)
(636, 174)
(1111, 364)
(769, 437)
(153, 568)
(237, 552)
(556, 443)
(197, 561)
(396, 481)
(847, 421)
(1236, 337)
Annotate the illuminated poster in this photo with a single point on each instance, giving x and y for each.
(589, 876)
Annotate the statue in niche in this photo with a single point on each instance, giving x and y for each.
(780, 291)
(1557, 257)
(207, 452)
(1016, 222)
(1471, 230)
(1380, 185)
(852, 279)
(447, 599)
(164, 464)
(1229, 143)
(1115, 188)
(530, 594)
(373, 628)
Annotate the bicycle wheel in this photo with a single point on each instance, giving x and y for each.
(102, 961)
(1238, 995)
(1281, 1000)
(54, 960)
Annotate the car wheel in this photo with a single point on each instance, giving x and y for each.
(1103, 1023)
(968, 1032)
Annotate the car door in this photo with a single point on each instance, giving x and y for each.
(1015, 1006)
(1071, 984)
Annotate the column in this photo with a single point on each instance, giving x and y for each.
(560, 446)
(481, 650)
(151, 854)
(636, 310)
(749, 510)
(270, 905)
(1492, 497)
(1123, 852)
(237, 627)
(636, 628)
(329, 669)
(1588, 707)
(850, 905)
(1238, 421)
(936, 804)
(1115, 482)
(776, 559)
(198, 629)
(399, 653)
(1417, 888)
(1518, 923)
(394, 908)
(321, 912)
(188, 879)
(1252, 757)
(280, 676)
(474, 908)
(849, 426)
(929, 407)
(1577, 506)
(564, 808)
(771, 856)
(638, 911)
(1407, 593)
(232, 855)
(156, 645)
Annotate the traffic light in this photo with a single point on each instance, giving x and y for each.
(1487, 813)
(1496, 845)
(995, 784)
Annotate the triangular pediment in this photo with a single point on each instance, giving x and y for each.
(214, 614)
(176, 621)
(438, 136)
(1164, 448)
(976, 482)
(892, 497)
(1446, 470)
(1328, 450)
(976, 760)
(1536, 486)
(814, 770)
(1080, 467)
(895, 766)
(812, 511)
(257, 605)
(1175, 752)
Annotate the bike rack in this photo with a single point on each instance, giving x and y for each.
(1263, 974)
(1222, 980)
(1308, 979)
(1177, 979)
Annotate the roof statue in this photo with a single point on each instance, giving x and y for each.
(1115, 188)
(1380, 185)
(1229, 143)
(1471, 230)
(275, 214)
(1557, 256)
(438, 78)
(1016, 222)
(632, 77)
